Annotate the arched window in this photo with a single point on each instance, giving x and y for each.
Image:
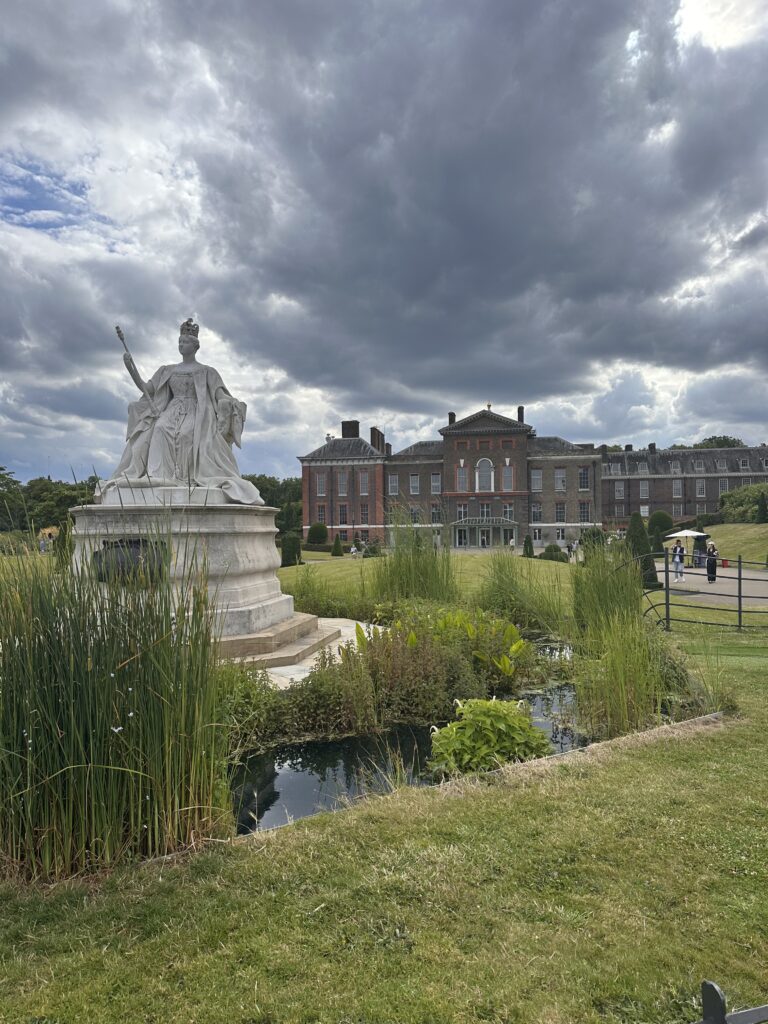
(484, 475)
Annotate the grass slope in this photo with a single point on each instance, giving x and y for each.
(603, 888)
(750, 540)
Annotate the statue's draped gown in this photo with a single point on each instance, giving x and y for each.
(183, 436)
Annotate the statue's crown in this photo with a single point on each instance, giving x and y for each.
(190, 327)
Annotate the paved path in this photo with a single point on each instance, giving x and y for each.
(724, 591)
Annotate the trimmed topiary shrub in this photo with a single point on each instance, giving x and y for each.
(317, 534)
(661, 522)
(554, 553)
(640, 547)
(291, 550)
(337, 549)
(528, 546)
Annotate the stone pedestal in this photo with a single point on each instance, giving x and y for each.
(235, 543)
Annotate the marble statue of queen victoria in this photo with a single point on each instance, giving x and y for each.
(181, 431)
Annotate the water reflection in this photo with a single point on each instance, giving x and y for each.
(297, 780)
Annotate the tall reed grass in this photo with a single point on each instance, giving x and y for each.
(414, 568)
(108, 747)
(527, 592)
(622, 678)
(606, 584)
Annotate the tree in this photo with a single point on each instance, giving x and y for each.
(317, 534)
(640, 546)
(761, 515)
(742, 505)
(291, 550)
(720, 441)
(661, 522)
(11, 501)
(337, 549)
(528, 546)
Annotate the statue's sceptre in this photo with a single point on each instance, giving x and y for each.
(135, 374)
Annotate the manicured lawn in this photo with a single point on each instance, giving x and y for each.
(750, 540)
(348, 571)
(602, 888)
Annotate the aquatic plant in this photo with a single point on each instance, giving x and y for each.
(484, 735)
(108, 747)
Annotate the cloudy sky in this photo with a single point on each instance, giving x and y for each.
(383, 210)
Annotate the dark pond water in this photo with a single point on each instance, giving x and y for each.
(297, 780)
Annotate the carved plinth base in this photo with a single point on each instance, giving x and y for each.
(235, 543)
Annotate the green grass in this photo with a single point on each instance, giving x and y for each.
(750, 540)
(602, 888)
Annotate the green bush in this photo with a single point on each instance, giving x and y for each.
(317, 534)
(743, 504)
(291, 549)
(660, 521)
(485, 735)
(372, 549)
(337, 551)
(640, 547)
(528, 546)
(492, 646)
(554, 553)
(593, 536)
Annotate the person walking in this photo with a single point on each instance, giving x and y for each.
(678, 557)
(712, 555)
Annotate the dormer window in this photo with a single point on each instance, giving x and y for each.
(642, 467)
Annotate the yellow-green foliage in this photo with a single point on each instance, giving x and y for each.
(486, 734)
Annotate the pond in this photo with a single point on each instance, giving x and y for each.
(296, 780)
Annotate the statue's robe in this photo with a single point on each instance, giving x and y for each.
(218, 424)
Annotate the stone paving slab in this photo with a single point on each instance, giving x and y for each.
(284, 675)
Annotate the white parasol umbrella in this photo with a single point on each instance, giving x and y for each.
(686, 533)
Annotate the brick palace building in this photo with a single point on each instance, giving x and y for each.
(491, 480)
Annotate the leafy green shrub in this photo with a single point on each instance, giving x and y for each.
(528, 546)
(660, 520)
(761, 512)
(742, 505)
(416, 679)
(317, 533)
(291, 549)
(554, 553)
(485, 735)
(492, 646)
(337, 550)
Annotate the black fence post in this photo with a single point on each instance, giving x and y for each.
(667, 626)
(712, 1003)
(739, 591)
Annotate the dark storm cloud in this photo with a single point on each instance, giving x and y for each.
(407, 204)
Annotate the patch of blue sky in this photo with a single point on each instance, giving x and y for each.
(35, 196)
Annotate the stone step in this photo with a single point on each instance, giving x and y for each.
(269, 640)
(292, 653)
